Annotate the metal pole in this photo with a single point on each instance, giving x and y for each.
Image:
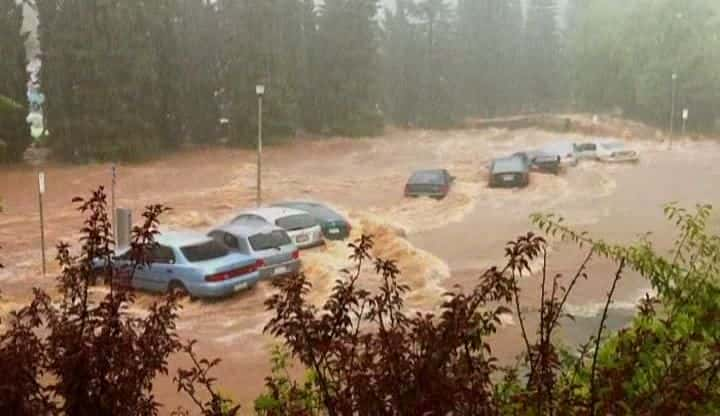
(259, 152)
(683, 126)
(42, 229)
(672, 110)
(112, 198)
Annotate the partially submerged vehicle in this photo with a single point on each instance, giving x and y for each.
(334, 226)
(434, 183)
(277, 255)
(302, 228)
(509, 172)
(187, 262)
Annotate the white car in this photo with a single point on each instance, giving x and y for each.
(615, 151)
(586, 150)
(302, 228)
(565, 150)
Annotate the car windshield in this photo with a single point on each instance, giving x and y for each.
(296, 222)
(265, 241)
(208, 250)
(432, 178)
(514, 164)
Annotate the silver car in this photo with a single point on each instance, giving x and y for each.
(302, 228)
(567, 151)
(271, 245)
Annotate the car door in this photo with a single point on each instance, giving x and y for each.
(161, 270)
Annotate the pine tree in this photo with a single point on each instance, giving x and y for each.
(262, 46)
(490, 46)
(402, 55)
(435, 17)
(349, 98)
(542, 42)
(14, 131)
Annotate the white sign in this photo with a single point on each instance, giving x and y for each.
(685, 114)
(41, 182)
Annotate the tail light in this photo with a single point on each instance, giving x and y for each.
(221, 277)
(296, 254)
(444, 189)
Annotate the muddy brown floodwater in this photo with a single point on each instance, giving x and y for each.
(438, 244)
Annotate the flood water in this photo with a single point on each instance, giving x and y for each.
(438, 244)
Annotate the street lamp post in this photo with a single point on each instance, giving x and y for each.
(672, 108)
(260, 91)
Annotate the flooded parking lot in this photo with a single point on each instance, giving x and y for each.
(438, 244)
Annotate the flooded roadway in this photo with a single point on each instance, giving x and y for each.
(438, 244)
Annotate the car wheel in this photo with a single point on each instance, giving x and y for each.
(178, 289)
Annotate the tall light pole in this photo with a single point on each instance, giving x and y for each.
(672, 108)
(260, 91)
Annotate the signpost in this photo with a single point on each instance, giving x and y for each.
(260, 91)
(41, 189)
(685, 114)
(112, 198)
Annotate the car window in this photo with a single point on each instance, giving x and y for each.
(162, 254)
(296, 222)
(208, 250)
(433, 178)
(265, 241)
(248, 218)
(230, 240)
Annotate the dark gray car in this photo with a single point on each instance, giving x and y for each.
(433, 183)
(510, 172)
(271, 245)
(334, 226)
(541, 161)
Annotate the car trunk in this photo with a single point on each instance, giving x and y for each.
(336, 230)
(547, 165)
(224, 264)
(509, 179)
(426, 188)
(274, 256)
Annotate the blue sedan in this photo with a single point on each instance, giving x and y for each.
(191, 263)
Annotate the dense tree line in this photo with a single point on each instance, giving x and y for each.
(131, 78)
(14, 132)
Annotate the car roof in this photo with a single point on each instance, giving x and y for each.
(245, 229)
(180, 238)
(429, 172)
(272, 214)
(313, 207)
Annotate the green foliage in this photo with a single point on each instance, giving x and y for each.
(285, 396)
(674, 348)
(625, 54)
(14, 131)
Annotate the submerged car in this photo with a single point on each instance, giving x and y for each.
(586, 150)
(541, 162)
(271, 245)
(302, 228)
(615, 151)
(510, 172)
(567, 151)
(433, 183)
(334, 226)
(191, 263)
